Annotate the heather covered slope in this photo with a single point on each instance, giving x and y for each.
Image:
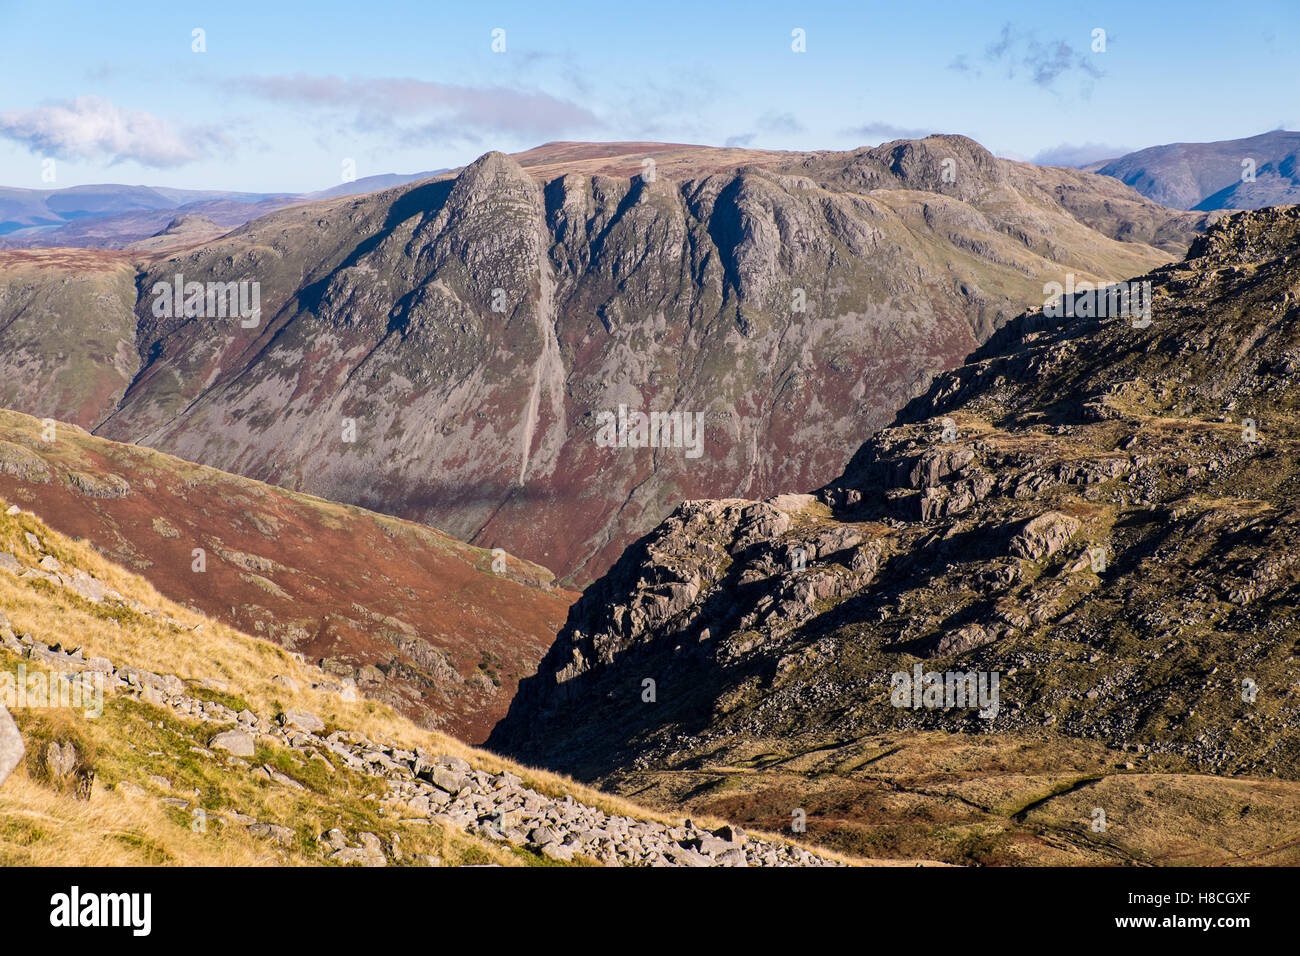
(414, 617)
(472, 329)
(1111, 529)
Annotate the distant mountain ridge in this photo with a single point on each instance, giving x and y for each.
(1208, 176)
(114, 216)
(28, 209)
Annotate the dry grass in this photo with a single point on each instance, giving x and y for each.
(43, 824)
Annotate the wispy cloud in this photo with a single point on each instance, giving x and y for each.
(1044, 62)
(432, 108)
(91, 127)
(771, 123)
(1077, 154)
(779, 123)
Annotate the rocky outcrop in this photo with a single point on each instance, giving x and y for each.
(1101, 512)
(1043, 536)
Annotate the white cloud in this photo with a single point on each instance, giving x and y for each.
(91, 127)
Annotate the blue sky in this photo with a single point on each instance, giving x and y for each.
(286, 92)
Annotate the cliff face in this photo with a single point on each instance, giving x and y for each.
(1102, 511)
(446, 351)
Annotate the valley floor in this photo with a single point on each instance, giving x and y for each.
(988, 800)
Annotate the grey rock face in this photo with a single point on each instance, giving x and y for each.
(1001, 518)
(1044, 536)
(304, 720)
(11, 744)
(236, 742)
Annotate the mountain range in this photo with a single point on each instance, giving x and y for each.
(113, 216)
(811, 431)
(446, 351)
(1193, 176)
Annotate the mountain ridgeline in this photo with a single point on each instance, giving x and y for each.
(446, 351)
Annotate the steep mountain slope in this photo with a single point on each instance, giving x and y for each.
(150, 735)
(415, 618)
(1209, 175)
(1102, 512)
(67, 331)
(449, 352)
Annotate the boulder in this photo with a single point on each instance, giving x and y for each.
(1043, 536)
(60, 760)
(557, 851)
(11, 744)
(541, 836)
(271, 831)
(236, 742)
(303, 720)
(966, 639)
(448, 780)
